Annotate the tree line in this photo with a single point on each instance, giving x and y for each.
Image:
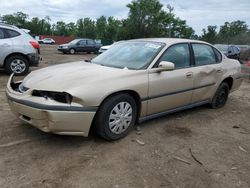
(236, 32)
(146, 18)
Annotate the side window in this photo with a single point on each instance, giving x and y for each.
(218, 56)
(83, 42)
(230, 50)
(236, 50)
(1, 34)
(177, 54)
(12, 33)
(203, 54)
(90, 42)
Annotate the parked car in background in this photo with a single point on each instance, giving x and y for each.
(230, 51)
(18, 50)
(80, 45)
(104, 48)
(133, 81)
(47, 41)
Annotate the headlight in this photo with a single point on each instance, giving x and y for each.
(62, 97)
(22, 88)
(65, 47)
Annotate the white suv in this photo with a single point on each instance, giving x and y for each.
(18, 50)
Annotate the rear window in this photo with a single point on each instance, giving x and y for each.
(203, 54)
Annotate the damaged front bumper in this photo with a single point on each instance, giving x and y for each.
(49, 115)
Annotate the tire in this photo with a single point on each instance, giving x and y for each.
(104, 123)
(17, 64)
(72, 51)
(220, 97)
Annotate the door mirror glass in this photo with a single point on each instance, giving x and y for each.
(166, 66)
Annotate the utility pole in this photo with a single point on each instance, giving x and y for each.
(171, 9)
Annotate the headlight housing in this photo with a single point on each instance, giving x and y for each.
(61, 97)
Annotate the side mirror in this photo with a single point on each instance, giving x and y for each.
(78, 43)
(166, 66)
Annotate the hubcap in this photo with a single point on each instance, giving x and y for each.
(221, 99)
(72, 51)
(120, 118)
(18, 66)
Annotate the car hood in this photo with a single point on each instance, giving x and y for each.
(64, 45)
(69, 76)
(105, 47)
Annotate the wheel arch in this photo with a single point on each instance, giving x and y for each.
(16, 53)
(229, 80)
(133, 94)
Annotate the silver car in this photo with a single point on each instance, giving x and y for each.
(18, 50)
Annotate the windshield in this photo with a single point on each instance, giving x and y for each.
(74, 41)
(131, 55)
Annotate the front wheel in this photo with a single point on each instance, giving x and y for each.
(116, 117)
(220, 98)
(72, 51)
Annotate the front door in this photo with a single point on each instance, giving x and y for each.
(171, 89)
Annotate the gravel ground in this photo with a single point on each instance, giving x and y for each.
(195, 148)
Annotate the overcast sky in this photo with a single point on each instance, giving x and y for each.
(198, 13)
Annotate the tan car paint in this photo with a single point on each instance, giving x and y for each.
(90, 84)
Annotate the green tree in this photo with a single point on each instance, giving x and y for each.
(145, 18)
(229, 31)
(101, 26)
(61, 29)
(89, 28)
(210, 35)
(18, 19)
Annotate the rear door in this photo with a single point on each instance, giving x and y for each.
(171, 89)
(90, 45)
(5, 45)
(82, 47)
(207, 71)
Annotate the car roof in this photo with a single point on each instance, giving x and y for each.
(168, 41)
(8, 26)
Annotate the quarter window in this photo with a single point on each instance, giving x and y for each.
(177, 54)
(203, 54)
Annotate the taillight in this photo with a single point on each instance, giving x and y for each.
(35, 45)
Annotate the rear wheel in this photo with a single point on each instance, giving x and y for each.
(17, 64)
(116, 117)
(220, 98)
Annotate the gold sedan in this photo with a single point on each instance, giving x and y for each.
(133, 81)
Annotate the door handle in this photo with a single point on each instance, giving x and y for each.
(189, 75)
(219, 71)
(5, 45)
